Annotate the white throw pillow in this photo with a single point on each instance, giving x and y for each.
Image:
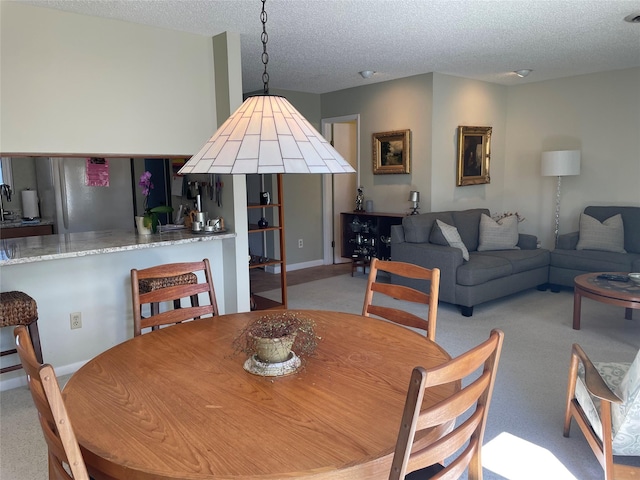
(500, 235)
(607, 236)
(452, 236)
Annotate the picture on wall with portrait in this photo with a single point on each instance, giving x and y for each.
(474, 154)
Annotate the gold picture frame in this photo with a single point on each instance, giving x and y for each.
(474, 154)
(392, 152)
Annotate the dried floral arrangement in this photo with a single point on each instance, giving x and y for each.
(498, 217)
(278, 325)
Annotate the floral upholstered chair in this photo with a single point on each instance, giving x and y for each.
(604, 400)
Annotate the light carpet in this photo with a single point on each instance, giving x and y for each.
(523, 439)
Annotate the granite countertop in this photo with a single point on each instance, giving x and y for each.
(15, 251)
(15, 223)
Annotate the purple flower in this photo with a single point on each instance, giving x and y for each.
(146, 185)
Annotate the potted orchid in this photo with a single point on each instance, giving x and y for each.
(150, 219)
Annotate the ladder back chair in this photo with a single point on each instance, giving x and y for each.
(411, 273)
(604, 400)
(427, 461)
(171, 282)
(58, 433)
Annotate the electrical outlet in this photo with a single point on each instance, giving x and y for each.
(76, 320)
(299, 243)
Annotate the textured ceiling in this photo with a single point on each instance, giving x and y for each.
(319, 46)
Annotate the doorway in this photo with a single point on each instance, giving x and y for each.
(339, 191)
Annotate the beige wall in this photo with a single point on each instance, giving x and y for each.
(74, 84)
(91, 96)
(303, 194)
(597, 113)
(388, 106)
(463, 102)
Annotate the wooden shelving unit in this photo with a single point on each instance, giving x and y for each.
(263, 303)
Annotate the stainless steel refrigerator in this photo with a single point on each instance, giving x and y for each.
(77, 204)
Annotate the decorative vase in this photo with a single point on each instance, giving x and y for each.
(142, 230)
(274, 350)
(262, 223)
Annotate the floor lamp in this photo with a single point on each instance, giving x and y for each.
(560, 163)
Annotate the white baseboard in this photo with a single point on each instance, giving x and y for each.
(292, 267)
(21, 380)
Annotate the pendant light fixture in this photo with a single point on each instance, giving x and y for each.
(266, 134)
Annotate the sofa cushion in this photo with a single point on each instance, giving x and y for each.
(500, 235)
(417, 228)
(451, 235)
(468, 224)
(624, 380)
(607, 235)
(482, 268)
(521, 260)
(595, 261)
(612, 374)
(625, 417)
(630, 219)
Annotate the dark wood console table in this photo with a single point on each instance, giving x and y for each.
(366, 235)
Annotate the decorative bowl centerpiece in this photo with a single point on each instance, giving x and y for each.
(635, 277)
(275, 342)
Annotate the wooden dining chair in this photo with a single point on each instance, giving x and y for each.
(604, 400)
(63, 447)
(469, 406)
(171, 282)
(408, 272)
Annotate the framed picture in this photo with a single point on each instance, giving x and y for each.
(392, 152)
(474, 153)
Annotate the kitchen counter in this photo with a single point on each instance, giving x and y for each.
(24, 223)
(51, 247)
(89, 274)
(25, 228)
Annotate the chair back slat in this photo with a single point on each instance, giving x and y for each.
(454, 406)
(166, 288)
(407, 271)
(471, 401)
(447, 445)
(176, 316)
(174, 293)
(407, 319)
(56, 427)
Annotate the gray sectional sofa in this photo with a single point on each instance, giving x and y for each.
(487, 275)
(571, 258)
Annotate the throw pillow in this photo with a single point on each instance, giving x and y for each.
(500, 235)
(607, 236)
(436, 235)
(451, 235)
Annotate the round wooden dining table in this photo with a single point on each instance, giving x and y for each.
(178, 404)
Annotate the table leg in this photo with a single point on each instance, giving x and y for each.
(628, 314)
(577, 304)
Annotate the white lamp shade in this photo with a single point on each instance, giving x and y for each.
(266, 134)
(414, 196)
(561, 163)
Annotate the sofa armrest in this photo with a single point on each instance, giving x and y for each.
(568, 241)
(527, 242)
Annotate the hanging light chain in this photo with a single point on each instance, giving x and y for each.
(265, 56)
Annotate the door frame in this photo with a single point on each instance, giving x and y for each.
(327, 185)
